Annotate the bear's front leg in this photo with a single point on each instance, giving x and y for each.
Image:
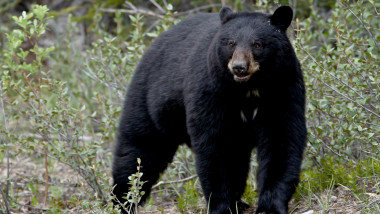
(222, 144)
(222, 172)
(282, 138)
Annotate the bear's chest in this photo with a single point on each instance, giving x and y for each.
(250, 105)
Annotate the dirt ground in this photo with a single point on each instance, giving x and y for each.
(65, 182)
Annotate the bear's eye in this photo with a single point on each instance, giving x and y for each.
(231, 43)
(256, 45)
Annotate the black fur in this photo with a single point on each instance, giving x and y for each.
(183, 92)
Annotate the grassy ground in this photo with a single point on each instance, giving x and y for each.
(68, 189)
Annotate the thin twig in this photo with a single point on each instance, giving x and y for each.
(5, 200)
(119, 202)
(7, 148)
(374, 7)
(165, 3)
(97, 187)
(158, 6)
(346, 97)
(197, 9)
(341, 119)
(83, 173)
(118, 84)
(315, 61)
(92, 75)
(332, 150)
(46, 176)
(23, 183)
(135, 11)
(349, 99)
(38, 136)
(130, 5)
(152, 26)
(31, 207)
(173, 182)
(363, 77)
(365, 27)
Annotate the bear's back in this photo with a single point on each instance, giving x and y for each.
(166, 62)
(172, 48)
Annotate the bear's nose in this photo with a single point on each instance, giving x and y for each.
(239, 68)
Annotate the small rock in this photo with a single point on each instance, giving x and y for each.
(333, 198)
(309, 212)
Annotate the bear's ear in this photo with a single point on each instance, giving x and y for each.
(224, 13)
(282, 17)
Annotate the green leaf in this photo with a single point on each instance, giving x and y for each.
(40, 11)
(169, 7)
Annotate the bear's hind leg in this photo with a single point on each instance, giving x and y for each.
(155, 154)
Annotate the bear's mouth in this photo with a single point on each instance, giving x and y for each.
(242, 77)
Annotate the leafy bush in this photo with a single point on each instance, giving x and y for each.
(46, 123)
(51, 111)
(339, 52)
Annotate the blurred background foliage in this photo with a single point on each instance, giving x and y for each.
(65, 67)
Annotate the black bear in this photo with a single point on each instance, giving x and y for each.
(223, 84)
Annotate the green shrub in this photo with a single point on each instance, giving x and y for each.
(339, 53)
(51, 97)
(189, 199)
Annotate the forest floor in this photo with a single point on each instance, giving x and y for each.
(28, 183)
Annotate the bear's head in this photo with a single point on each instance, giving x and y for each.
(250, 43)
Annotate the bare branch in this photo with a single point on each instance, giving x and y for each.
(5, 200)
(7, 149)
(165, 3)
(117, 200)
(135, 11)
(346, 97)
(332, 150)
(130, 5)
(46, 176)
(38, 136)
(197, 9)
(362, 23)
(89, 72)
(174, 182)
(31, 207)
(158, 6)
